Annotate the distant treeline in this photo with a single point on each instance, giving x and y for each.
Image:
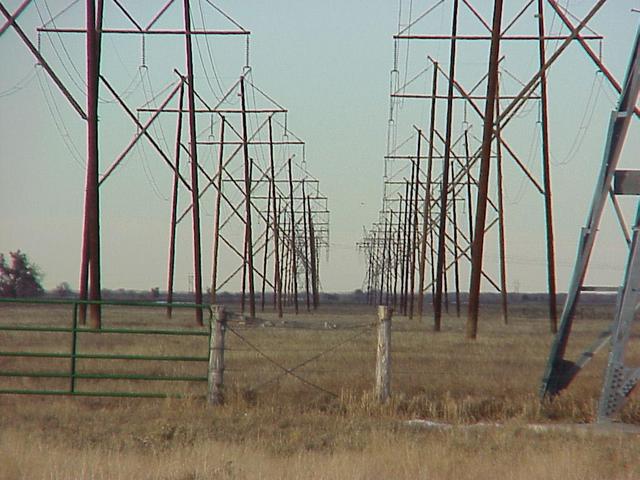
(355, 297)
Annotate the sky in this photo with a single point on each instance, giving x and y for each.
(329, 64)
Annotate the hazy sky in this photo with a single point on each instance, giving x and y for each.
(328, 63)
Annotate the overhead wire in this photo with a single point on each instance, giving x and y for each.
(209, 53)
(61, 12)
(56, 115)
(81, 84)
(585, 121)
(407, 53)
(21, 84)
(533, 147)
(144, 72)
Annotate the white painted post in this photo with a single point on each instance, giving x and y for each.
(383, 363)
(216, 355)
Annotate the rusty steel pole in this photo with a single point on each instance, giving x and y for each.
(398, 252)
(387, 250)
(265, 255)
(277, 277)
(468, 180)
(314, 258)
(245, 253)
(90, 264)
(403, 257)
(442, 225)
(294, 266)
(193, 153)
(285, 271)
(483, 182)
(277, 268)
(501, 229)
(306, 246)
(456, 265)
(383, 264)
(546, 173)
(248, 263)
(426, 210)
(174, 208)
(414, 232)
(215, 248)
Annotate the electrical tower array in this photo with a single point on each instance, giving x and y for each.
(439, 203)
(232, 152)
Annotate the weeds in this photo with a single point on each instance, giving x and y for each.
(288, 430)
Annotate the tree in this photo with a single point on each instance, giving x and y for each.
(20, 278)
(63, 290)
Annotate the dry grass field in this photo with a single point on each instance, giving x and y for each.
(327, 427)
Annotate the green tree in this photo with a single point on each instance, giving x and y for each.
(19, 277)
(63, 290)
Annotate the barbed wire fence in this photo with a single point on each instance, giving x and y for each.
(287, 351)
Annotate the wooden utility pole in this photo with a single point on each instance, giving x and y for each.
(216, 356)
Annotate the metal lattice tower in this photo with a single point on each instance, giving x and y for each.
(620, 379)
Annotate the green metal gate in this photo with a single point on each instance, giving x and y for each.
(44, 350)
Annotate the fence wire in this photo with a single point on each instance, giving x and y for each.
(364, 328)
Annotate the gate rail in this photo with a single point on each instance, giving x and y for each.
(74, 355)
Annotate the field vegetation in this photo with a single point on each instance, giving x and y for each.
(481, 397)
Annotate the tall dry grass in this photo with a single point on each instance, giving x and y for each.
(285, 429)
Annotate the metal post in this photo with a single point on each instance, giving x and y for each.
(74, 349)
(174, 209)
(216, 356)
(216, 220)
(483, 182)
(546, 173)
(442, 226)
(383, 361)
(193, 153)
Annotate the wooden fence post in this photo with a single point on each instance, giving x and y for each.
(383, 361)
(216, 355)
